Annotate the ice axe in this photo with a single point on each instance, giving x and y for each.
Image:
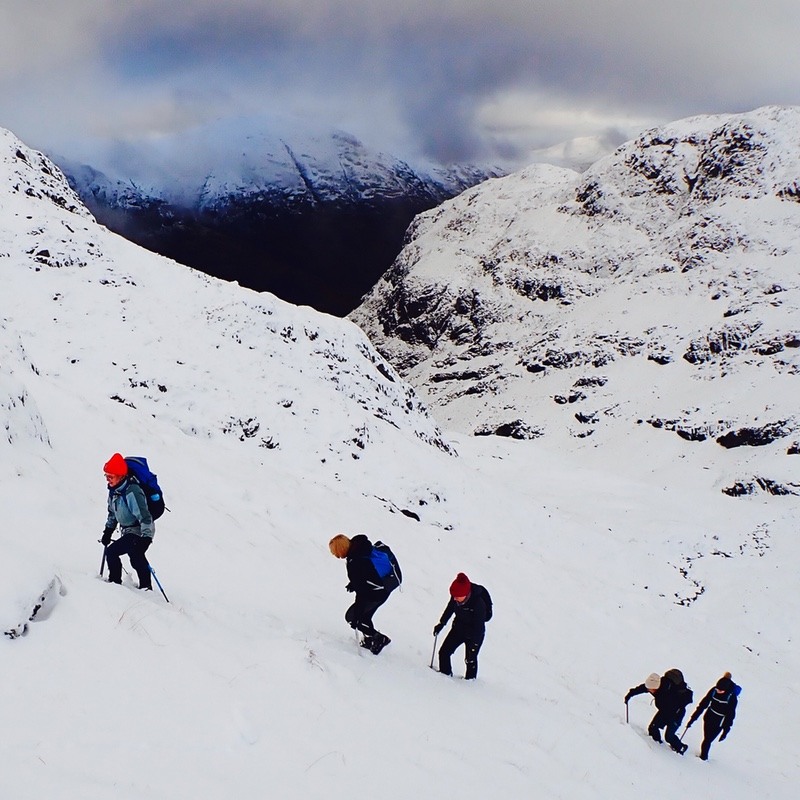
(433, 652)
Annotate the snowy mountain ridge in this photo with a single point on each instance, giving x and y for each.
(215, 166)
(659, 287)
(314, 218)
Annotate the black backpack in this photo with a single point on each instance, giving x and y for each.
(487, 600)
(683, 694)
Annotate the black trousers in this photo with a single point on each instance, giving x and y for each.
(670, 724)
(712, 725)
(359, 615)
(135, 547)
(454, 640)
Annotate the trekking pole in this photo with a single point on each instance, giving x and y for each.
(684, 732)
(159, 583)
(626, 712)
(103, 562)
(433, 652)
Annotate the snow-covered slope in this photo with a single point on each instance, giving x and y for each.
(76, 275)
(272, 428)
(660, 287)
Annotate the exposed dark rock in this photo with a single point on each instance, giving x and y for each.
(465, 375)
(741, 488)
(590, 381)
(755, 437)
(573, 397)
(729, 339)
(515, 430)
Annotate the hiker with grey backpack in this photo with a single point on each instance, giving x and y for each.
(373, 574)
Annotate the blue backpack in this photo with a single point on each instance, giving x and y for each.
(386, 566)
(137, 467)
(381, 562)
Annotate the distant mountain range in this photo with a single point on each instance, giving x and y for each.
(315, 219)
(658, 288)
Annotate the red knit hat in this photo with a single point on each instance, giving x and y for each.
(115, 465)
(460, 587)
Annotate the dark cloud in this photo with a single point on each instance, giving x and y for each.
(453, 80)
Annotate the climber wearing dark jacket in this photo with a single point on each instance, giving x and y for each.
(472, 607)
(720, 707)
(671, 699)
(364, 560)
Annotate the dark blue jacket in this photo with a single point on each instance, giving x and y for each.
(472, 615)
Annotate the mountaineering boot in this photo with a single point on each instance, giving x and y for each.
(379, 641)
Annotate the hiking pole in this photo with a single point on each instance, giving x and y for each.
(103, 562)
(433, 652)
(159, 583)
(626, 712)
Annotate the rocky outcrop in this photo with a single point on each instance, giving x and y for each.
(659, 285)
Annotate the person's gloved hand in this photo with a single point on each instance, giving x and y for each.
(438, 628)
(106, 540)
(725, 732)
(350, 587)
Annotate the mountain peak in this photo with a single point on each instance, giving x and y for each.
(660, 287)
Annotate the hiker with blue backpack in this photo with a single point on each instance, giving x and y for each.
(127, 508)
(373, 574)
(719, 705)
(471, 607)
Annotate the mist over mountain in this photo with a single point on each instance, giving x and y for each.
(313, 218)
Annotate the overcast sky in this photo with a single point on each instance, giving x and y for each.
(450, 80)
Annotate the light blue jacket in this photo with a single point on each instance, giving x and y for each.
(127, 507)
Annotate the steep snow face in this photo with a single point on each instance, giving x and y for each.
(113, 302)
(660, 287)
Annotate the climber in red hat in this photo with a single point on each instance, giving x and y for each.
(127, 507)
(472, 607)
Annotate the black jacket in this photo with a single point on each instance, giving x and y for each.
(720, 706)
(472, 615)
(671, 700)
(361, 572)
